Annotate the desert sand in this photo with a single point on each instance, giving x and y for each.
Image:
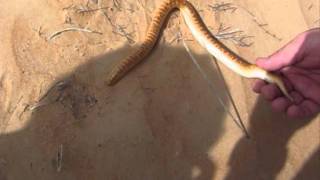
(164, 120)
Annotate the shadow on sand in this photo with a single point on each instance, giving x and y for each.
(157, 123)
(265, 155)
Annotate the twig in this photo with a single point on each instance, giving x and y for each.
(211, 86)
(59, 86)
(39, 31)
(26, 107)
(144, 7)
(59, 158)
(88, 10)
(87, 4)
(12, 110)
(116, 4)
(178, 38)
(72, 29)
(175, 38)
(230, 7)
(83, 8)
(68, 7)
(239, 123)
(37, 105)
(222, 28)
(261, 25)
(235, 36)
(218, 7)
(120, 30)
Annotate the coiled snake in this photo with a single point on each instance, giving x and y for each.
(203, 36)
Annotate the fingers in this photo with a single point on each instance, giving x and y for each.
(280, 104)
(306, 109)
(299, 108)
(289, 54)
(257, 85)
(304, 84)
(297, 97)
(310, 107)
(270, 91)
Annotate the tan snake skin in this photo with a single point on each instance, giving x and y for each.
(205, 39)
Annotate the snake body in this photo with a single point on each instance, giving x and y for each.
(203, 36)
(148, 43)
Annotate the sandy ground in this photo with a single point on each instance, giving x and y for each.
(59, 119)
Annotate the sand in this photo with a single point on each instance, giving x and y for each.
(60, 120)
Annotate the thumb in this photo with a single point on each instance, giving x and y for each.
(287, 55)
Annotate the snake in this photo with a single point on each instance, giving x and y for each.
(203, 36)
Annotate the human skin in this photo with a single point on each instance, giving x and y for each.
(298, 63)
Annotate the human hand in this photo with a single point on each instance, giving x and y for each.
(298, 63)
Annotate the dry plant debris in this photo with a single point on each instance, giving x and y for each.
(236, 36)
(57, 33)
(218, 7)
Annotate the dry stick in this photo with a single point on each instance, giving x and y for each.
(88, 10)
(175, 38)
(37, 105)
(235, 36)
(218, 7)
(120, 30)
(223, 7)
(240, 124)
(261, 25)
(116, 4)
(211, 86)
(72, 29)
(68, 7)
(144, 7)
(61, 85)
(59, 158)
(38, 30)
(87, 3)
(82, 8)
(23, 111)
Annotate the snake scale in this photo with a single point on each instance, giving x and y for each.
(203, 36)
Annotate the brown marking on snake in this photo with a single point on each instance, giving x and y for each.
(124, 66)
(148, 43)
(243, 67)
(204, 30)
